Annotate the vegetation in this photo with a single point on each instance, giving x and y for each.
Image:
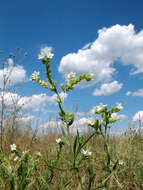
(65, 161)
(30, 170)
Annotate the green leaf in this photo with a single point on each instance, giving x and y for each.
(29, 185)
(62, 87)
(82, 145)
(75, 145)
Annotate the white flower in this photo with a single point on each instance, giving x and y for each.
(92, 76)
(41, 55)
(16, 158)
(38, 154)
(121, 162)
(89, 153)
(86, 152)
(47, 54)
(71, 75)
(13, 147)
(90, 121)
(35, 74)
(100, 107)
(114, 116)
(25, 151)
(58, 140)
(119, 106)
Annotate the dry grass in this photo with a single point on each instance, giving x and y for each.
(129, 149)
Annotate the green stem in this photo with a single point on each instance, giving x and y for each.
(106, 149)
(70, 140)
(80, 180)
(103, 183)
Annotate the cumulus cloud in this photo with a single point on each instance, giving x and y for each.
(139, 92)
(78, 124)
(52, 99)
(138, 116)
(128, 93)
(84, 114)
(14, 74)
(36, 102)
(108, 89)
(9, 98)
(98, 57)
(81, 121)
(120, 116)
(25, 119)
(54, 125)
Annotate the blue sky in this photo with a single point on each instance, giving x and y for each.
(113, 31)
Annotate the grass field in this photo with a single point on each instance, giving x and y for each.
(128, 174)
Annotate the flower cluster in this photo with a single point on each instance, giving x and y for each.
(99, 108)
(46, 54)
(91, 75)
(13, 147)
(121, 162)
(90, 121)
(86, 152)
(38, 154)
(114, 117)
(25, 152)
(35, 75)
(15, 159)
(58, 141)
(71, 75)
(119, 106)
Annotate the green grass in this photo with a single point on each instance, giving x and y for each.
(128, 149)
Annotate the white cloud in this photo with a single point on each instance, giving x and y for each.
(9, 98)
(15, 73)
(138, 116)
(51, 124)
(10, 101)
(54, 123)
(120, 116)
(36, 102)
(26, 119)
(117, 133)
(81, 114)
(128, 93)
(80, 122)
(87, 45)
(52, 99)
(116, 42)
(54, 126)
(139, 92)
(108, 89)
